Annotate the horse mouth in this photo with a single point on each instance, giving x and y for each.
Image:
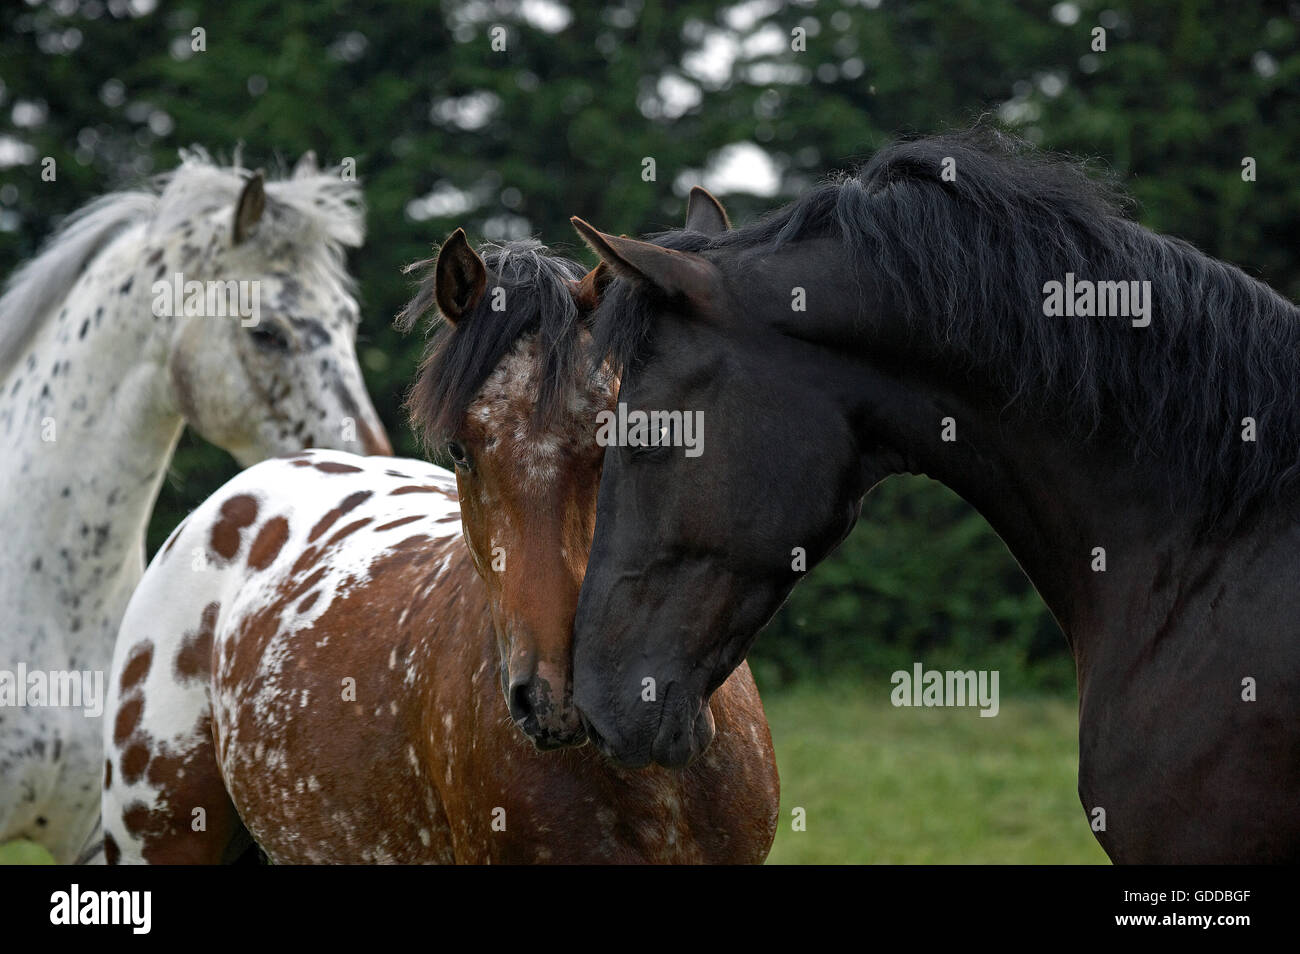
(674, 746)
(549, 742)
(607, 750)
(678, 745)
(548, 738)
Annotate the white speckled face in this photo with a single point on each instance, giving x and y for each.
(289, 381)
(502, 417)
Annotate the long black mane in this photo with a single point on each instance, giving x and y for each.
(968, 259)
(537, 300)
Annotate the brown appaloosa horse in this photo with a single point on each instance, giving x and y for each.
(312, 659)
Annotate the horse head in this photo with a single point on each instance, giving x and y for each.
(513, 395)
(261, 356)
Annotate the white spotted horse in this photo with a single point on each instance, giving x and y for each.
(329, 678)
(98, 376)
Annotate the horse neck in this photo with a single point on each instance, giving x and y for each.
(1052, 497)
(89, 425)
(1057, 503)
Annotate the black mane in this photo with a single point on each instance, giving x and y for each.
(538, 300)
(968, 259)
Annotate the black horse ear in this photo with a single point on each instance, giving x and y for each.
(251, 205)
(459, 278)
(704, 213)
(676, 274)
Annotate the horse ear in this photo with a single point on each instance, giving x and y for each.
(306, 165)
(251, 205)
(586, 291)
(677, 274)
(459, 278)
(704, 213)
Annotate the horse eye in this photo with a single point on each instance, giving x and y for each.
(269, 338)
(457, 454)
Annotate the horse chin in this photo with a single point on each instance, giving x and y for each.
(549, 738)
(549, 742)
(673, 748)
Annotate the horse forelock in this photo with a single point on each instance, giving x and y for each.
(533, 291)
(318, 216)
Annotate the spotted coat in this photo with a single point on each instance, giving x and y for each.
(94, 394)
(311, 657)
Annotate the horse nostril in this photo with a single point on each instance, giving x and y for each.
(520, 706)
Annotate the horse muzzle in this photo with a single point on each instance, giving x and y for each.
(550, 720)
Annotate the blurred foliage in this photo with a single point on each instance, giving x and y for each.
(447, 131)
(921, 578)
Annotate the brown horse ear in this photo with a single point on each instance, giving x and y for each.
(586, 291)
(251, 205)
(459, 278)
(306, 165)
(677, 274)
(704, 213)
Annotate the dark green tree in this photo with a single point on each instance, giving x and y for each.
(507, 118)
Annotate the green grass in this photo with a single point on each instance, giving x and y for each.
(935, 786)
(24, 853)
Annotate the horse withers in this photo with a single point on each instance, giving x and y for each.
(345, 658)
(221, 302)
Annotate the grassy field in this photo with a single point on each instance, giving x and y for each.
(24, 853)
(935, 786)
(938, 786)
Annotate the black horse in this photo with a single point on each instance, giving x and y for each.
(1136, 448)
